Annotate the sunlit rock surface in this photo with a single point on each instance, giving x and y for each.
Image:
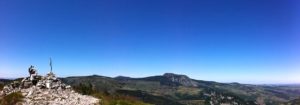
(47, 90)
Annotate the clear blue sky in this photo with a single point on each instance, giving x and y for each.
(247, 41)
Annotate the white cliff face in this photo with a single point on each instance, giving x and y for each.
(48, 90)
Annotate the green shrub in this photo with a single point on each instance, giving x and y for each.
(116, 99)
(12, 99)
(85, 89)
(1, 86)
(106, 98)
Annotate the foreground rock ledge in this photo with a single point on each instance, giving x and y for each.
(36, 96)
(47, 90)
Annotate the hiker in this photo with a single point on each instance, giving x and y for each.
(32, 72)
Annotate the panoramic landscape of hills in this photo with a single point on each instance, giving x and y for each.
(176, 89)
(149, 52)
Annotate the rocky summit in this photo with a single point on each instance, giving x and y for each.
(47, 90)
(181, 79)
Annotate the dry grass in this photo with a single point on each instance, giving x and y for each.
(12, 99)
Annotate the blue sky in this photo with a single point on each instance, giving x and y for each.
(247, 41)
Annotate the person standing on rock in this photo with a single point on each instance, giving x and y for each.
(32, 72)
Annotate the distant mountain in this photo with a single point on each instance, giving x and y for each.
(173, 80)
(175, 89)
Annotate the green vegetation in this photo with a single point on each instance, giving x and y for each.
(11, 99)
(149, 98)
(106, 98)
(85, 89)
(159, 90)
(188, 90)
(293, 102)
(118, 100)
(3, 82)
(1, 86)
(181, 90)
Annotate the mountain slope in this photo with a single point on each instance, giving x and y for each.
(174, 89)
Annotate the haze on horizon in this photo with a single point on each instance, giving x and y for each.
(246, 41)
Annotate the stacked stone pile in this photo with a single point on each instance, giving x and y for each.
(47, 90)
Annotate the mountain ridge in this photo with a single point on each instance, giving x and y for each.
(179, 89)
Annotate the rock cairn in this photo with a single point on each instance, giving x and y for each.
(47, 90)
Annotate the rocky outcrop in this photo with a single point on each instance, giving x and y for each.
(47, 90)
(37, 96)
(181, 79)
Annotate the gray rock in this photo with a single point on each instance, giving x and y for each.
(49, 90)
